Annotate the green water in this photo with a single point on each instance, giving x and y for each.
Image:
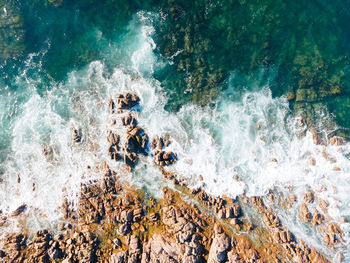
(299, 47)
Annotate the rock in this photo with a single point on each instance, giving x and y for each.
(315, 136)
(304, 213)
(163, 158)
(218, 249)
(339, 257)
(336, 141)
(19, 210)
(46, 150)
(111, 106)
(123, 230)
(129, 120)
(317, 218)
(119, 257)
(127, 101)
(166, 140)
(112, 138)
(164, 250)
(308, 197)
(76, 135)
(153, 217)
(54, 253)
(117, 243)
(270, 219)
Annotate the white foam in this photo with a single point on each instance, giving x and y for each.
(239, 137)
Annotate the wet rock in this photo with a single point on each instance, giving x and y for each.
(317, 218)
(136, 141)
(166, 140)
(304, 213)
(127, 101)
(163, 158)
(76, 135)
(112, 138)
(336, 141)
(282, 236)
(153, 217)
(129, 120)
(333, 235)
(308, 197)
(46, 150)
(111, 106)
(258, 203)
(130, 160)
(315, 136)
(19, 210)
(163, 250)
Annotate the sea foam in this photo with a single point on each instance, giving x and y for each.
(249, 144)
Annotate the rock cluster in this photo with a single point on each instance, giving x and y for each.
(296, 250)
(113, 222)
(136, 140)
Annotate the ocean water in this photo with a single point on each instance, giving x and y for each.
(228, 112)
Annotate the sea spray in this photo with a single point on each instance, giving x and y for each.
(250, 144)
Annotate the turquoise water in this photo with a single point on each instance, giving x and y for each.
(226, 79)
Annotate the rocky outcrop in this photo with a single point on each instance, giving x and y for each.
(113, 222)
(136, 140)
(126, 101)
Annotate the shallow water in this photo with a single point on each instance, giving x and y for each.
(242, 132)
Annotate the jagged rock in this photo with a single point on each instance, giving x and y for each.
(129, 120)
(119, 257)
(336, 141)
(282, 236)
(258, 203)
(166, 140)
(333, 235)
(133, 244)
(113, 138)
(271, 219)
(76, 135)
(308, 197)
(153, 216)
(136, 141)
(315, 136)
(124, 229)
(163, 158)
(218, 249)
(127, 101)
(164, 250)
(111, 106)
(304, 213)
(317, 218)
(19, 210)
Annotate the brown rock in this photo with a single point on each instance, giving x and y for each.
(304, 213)
(219, 248)
(19, 210)
(308, 197)
(127, 101)
(336, 141)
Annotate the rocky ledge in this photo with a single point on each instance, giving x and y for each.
(114, 222)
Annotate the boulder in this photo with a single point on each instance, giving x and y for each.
(219, 248)
(127, 101)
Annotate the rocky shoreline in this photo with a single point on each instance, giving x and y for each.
(114, 222)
